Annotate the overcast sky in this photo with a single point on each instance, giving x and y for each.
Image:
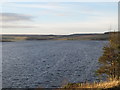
(58, 17)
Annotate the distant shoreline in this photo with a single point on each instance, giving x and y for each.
(89, 36)
(93, 36)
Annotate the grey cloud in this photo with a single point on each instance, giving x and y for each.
(8, 26)
(14, 17)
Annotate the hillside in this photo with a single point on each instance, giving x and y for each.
(9, 38)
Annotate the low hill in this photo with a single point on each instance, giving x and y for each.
(6, 38)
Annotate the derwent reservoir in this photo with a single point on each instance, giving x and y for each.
(47, 63)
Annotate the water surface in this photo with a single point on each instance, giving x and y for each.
(48, 64)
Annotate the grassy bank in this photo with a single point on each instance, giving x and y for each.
(114, 84)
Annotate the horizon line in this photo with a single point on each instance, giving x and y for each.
(50, 33)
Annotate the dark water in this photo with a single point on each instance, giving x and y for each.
(36, 64)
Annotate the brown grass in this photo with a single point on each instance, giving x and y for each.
(101, 85)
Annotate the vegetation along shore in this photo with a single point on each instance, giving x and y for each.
(12, 37)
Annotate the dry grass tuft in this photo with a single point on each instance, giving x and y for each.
(102, 85)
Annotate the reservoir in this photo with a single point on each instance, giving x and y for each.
(49, 64)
